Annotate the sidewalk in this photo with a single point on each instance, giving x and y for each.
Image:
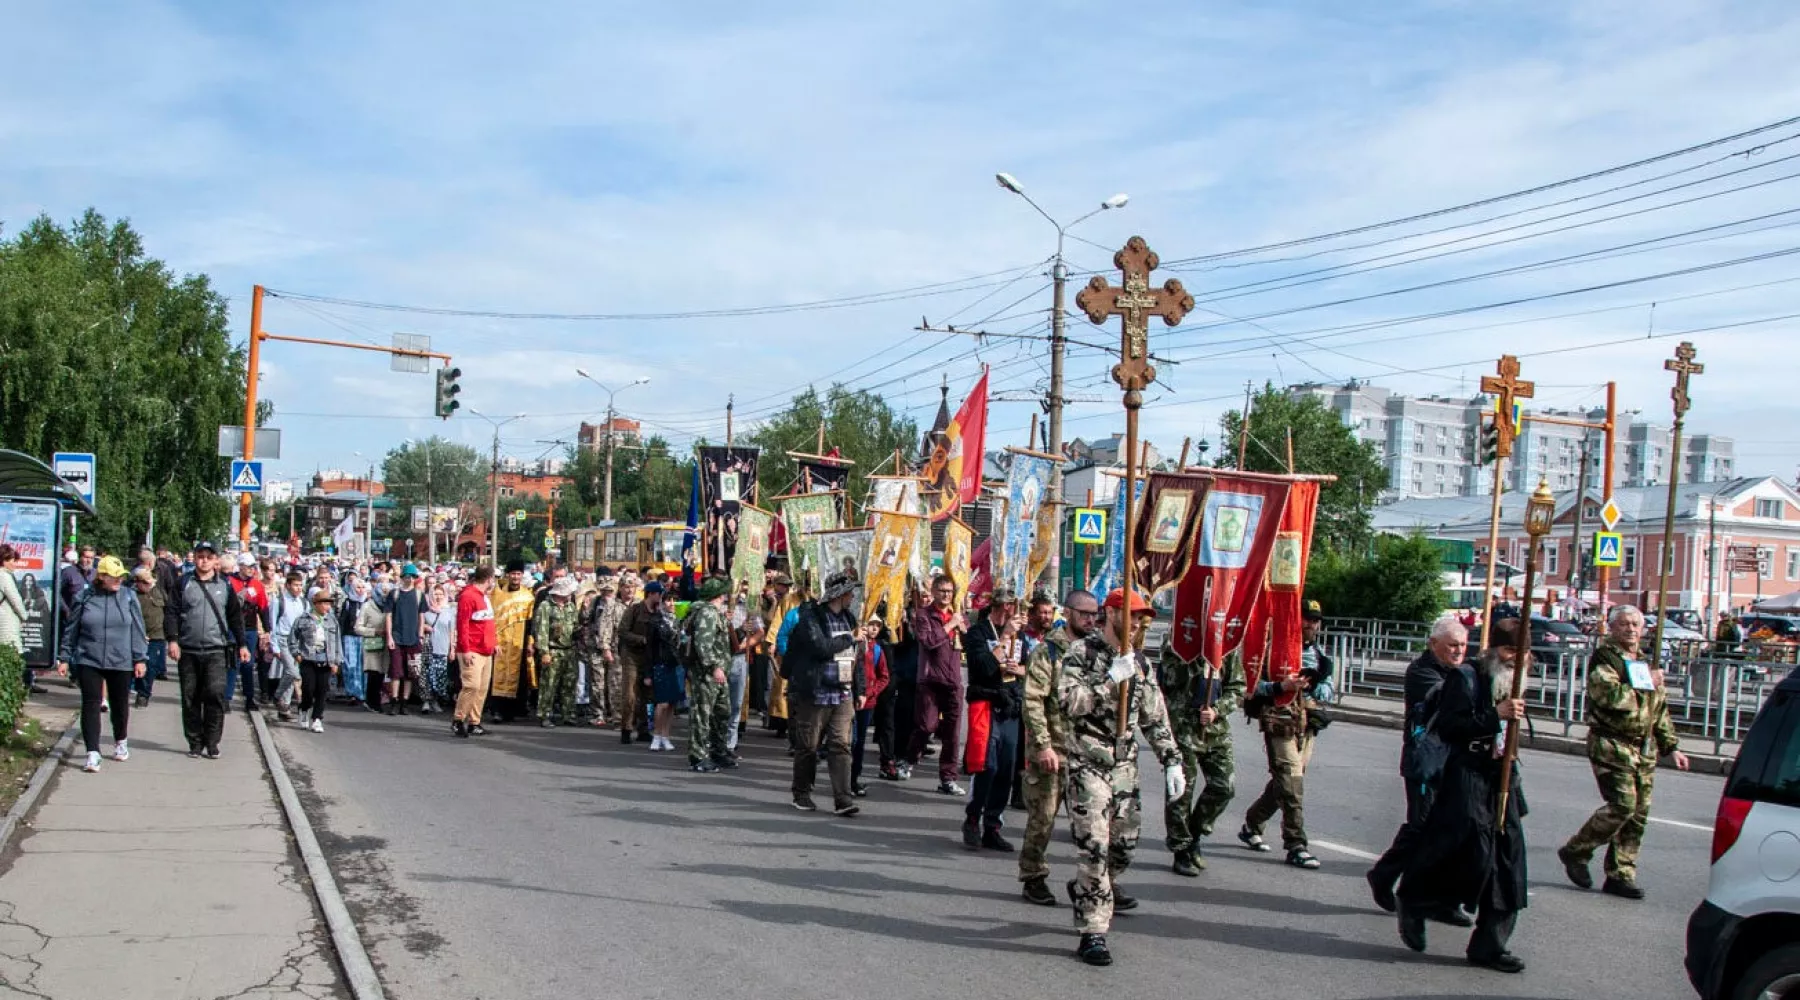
(161, 878)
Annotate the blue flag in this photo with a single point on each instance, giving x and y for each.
(690, 539)
(1113, 565)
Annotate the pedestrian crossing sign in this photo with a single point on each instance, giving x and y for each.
(1090, 526)
(1609, 549)
(246, 477)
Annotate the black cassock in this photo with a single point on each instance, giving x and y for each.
(1462, 856)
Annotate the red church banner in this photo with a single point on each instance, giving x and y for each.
(1237, 535)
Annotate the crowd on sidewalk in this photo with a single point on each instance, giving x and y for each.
(1035, 701)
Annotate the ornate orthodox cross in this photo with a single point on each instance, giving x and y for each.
(1136, 301)
(1508, 386)
(1683, 365)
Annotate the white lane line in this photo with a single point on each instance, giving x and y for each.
(1355, 852)
(1703, 828)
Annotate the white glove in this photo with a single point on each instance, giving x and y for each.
(1122, 669)
(1174, 781)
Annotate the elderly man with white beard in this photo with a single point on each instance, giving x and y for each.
(1465, 855)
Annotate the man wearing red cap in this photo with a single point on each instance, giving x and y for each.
(1104, 801)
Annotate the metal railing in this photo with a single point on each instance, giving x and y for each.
(1712, 696)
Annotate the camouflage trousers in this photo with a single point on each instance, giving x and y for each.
(709, 715)
(556, 685)
(1286, 790)
(1625, 774)
(600, 684)
(1105, 812)
(1043, 795)
(1192, 816)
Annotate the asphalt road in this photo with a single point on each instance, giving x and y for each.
(558, 863)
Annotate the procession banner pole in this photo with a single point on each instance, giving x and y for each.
(1683, 365)
(1505, 387)
(1134, 302)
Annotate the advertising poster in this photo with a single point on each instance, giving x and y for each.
(31, 529)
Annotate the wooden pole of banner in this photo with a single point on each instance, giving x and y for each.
(1244, 428)
(1134, 302)
(1290, 450)
(1185, 444)
(1505, 387)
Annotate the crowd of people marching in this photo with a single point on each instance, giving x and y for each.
(1034, 700)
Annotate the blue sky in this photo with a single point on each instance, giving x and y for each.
(605, 158)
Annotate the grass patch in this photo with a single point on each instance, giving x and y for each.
(20, 754)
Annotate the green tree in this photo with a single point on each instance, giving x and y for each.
(1400, 580)
(102, 349)
(649, 482)
(860, 424)
(434, 472)
(1322, 446)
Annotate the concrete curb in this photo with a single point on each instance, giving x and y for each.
(1697, 763)
(352, 956)
(34, 788)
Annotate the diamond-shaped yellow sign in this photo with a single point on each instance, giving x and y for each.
(1609, 514)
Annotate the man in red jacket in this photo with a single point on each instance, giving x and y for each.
(475, 646)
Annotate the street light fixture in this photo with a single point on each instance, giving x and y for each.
(494, 484)
(1059, 276)
(606, 498)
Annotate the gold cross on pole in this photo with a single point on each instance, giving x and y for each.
(1507, 386)
(1136, 302)
(1683, 365)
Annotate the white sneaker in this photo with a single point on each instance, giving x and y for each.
(93, 762)
(658, 744)
(318, 725)
(121, 751)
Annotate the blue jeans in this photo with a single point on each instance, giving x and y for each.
(156, 666)
(735, 679)
(243, 673)
(352, 671)
(864, 719)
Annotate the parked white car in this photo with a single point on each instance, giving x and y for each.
(1743, 941)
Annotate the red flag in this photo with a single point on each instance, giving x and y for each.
(956, 458)
(1287, 581)
(1214, 602)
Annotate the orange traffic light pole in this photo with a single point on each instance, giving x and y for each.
(253, 371)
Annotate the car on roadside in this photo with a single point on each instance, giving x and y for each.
(1743, 941)
(1551, 636)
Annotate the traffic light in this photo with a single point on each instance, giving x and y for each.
(447, 390)
(1490, 442)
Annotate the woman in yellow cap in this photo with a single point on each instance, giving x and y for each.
(103, 637)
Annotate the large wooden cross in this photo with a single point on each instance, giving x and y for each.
(1683, 365)
(1507, 387)
(1136, 301)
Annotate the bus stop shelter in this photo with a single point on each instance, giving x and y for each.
(32, 501)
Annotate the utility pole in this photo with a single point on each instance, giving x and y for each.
(606, 498)
(1577, 566)
(494, 484)
(1712, 558)
(430, 521)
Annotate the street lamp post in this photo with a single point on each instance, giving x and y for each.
(606, 498)
(1540, 511)
(1059, 275)
(494, 486)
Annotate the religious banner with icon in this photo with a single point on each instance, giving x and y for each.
(727, 480)
(894, 494)
(845, 550)
(754, 527)
(1235, 541)
(1287, 579)
(1164, 547)
(1027, 484)
(890, 564)
(1045, 546)
(803, 516)
(959, 556)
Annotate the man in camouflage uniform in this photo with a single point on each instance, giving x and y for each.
(1046, 729)
(600, 639)
(1200, 700)
(709, 693)
(1102, 791)
(553, 633)
(1628, 730)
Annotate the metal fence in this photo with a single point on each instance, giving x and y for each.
(1712, 696)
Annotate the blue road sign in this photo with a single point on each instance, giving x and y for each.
(246, 477)
(1090, 526)
(77, 469)
(1609, 549)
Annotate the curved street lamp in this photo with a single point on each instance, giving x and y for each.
(606, 498)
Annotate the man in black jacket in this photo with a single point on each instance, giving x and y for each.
(203, 620)
(995, 655)
(1445, 651)
(825, 684)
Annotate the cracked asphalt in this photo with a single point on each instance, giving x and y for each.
(555, 863)
(161, 878)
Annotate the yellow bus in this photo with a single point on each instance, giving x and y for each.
(654, 544)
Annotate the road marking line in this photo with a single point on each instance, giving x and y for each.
(1685, 826)
(1355, 852)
